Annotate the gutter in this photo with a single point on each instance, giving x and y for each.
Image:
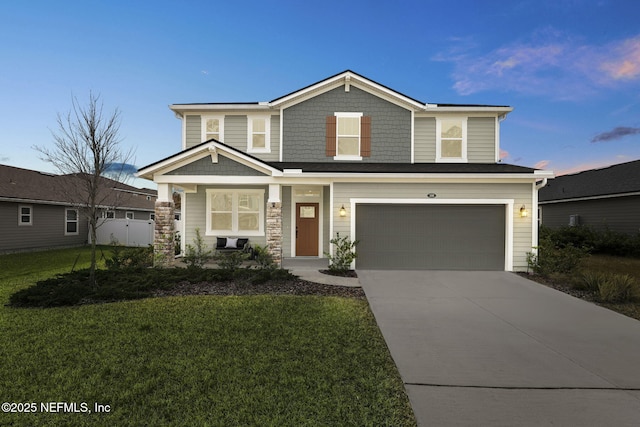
(542, 183)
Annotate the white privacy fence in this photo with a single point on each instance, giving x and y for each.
(128, 232)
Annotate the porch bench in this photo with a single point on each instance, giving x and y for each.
(233, 244)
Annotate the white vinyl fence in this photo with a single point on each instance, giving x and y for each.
(128, 232)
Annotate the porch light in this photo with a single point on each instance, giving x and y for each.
(523, 212)
(343, 211)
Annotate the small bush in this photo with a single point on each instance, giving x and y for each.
(231, 261)
(129, 257)
(554, 258)
(345, 253)
(196, 256)
(263, 257)
(618, 288)
(591, 281)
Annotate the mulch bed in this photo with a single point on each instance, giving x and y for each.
(562, 287)
(348, 273)
(293, 287)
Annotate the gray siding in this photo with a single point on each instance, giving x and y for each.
(616, 214)
(304, 126)
(225, 166)
(47, 230)
(521, 193)
(425, 139)
(194, 216)
(235, 132)
(286, 221)
(193, 130)
(481, 140)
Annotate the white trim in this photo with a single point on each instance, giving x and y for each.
(67, 221)
(126, 215)
(509, 214)
(439, 158)
(183, 119)
(234, 212)
(280, 155)
(580, 199)
(413, 135)
(534, 217)
(23, 224)
(497, 140)
(203, 127)
(267, 133)
(350, 115)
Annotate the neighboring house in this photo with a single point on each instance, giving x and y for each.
(607, 198)
(419, 185)
(37, 210)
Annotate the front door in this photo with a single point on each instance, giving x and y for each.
(307, 229)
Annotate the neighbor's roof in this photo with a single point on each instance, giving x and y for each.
(29, 186)
(618, 179)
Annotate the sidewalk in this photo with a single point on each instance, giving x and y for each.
(309, 269)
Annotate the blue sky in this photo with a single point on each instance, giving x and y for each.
(570, 68)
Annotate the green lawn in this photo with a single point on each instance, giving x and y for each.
(253, 360)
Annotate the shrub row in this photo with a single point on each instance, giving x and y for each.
(598, 242)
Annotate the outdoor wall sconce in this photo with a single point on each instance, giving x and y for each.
(523, 212)
(343, 212)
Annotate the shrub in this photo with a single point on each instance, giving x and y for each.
(129, 257)
(263, 257)
(231, 261)
(196, 256)
(591, 281)
(554, 258)
(340, 263)
(600, 242)
(618, 288)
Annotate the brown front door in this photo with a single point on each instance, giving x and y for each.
(307, 229)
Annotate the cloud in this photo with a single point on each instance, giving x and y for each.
(616, 133)
(542, 164)
(120, 171)
(503, 154)
(550, 63)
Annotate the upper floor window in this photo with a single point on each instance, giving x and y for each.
(130, 215)
(25, 215)
(212, 128)
(108, 214)
(451, 140)
(71, 222)
(348, 136)
(259, 134)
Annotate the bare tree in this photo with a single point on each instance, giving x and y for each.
(86, 146)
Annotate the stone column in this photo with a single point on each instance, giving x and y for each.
(163, 243)
(274, 231)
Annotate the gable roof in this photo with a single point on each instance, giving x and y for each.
(618, 179)
(30, 186)
(344, 78)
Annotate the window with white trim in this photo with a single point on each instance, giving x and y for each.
(213, 128)
(108, 214)
(259, 134)
(348, 136)
(235, 212)
(71, 222)
(451, 139)
(130, 215)
(25, 215)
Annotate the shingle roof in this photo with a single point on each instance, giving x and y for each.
(617, 179)
(409, 168)
(28, 185)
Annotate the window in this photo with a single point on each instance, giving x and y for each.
(348, 136)
(129, 215)
(108, 214)
(259, 134)
(71, 222)
(25, 215)
(152, 216)
(235, 212)
(451, 140)
(212, 128)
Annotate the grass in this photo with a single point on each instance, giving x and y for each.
(251, 360)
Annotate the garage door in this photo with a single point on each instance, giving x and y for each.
(430, 237)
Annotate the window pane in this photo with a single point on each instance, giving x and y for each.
(221, 202)
(213, 126)
(452, 148)
(221, 221)
(348, 126)
(452, 129)
(249, 202)
(25, 218)
(258, 125)
(258, 141)
(248, 221)
(348, 146)
(72, 215)
(25, 211)
(72, 227)
(307, 211)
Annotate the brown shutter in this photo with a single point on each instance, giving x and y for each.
(331, 135)
(365, 136)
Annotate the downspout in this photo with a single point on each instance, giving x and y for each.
(534, 224)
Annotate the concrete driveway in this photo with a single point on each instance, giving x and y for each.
(495, 349)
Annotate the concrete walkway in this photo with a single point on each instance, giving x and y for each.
(495, 349)
(309, 269)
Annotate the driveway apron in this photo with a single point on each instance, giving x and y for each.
(493, 348)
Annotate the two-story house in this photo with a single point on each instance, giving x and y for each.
(419, 185)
